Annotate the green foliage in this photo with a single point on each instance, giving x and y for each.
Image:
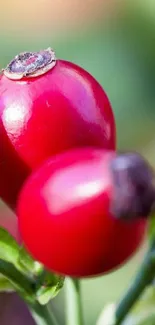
(13, 253)
(5, 285)
(26, 275)
(151, 229)
(27, 263)
(9, 249)
(51, 285)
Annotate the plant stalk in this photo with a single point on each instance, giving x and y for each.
(144, 277)
(73, 302)
(42, 315)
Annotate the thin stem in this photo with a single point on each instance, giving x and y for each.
(73, 302)
(42, 315)
(144, 277)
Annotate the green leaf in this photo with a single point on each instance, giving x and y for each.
(50, 286)
(151, 228)
(47, 285)
(5, 285)
(9, 249)
(28, 263)
(22, 283)
(11, 252)
(24, 259)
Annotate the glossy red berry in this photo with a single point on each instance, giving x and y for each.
(47, 106)
(65, 220)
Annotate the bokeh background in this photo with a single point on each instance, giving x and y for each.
(115, 41)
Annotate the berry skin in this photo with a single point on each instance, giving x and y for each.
(47, 106)
(65, 220)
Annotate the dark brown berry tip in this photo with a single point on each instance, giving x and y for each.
(133, 187)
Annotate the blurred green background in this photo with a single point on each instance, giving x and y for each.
(115, 41)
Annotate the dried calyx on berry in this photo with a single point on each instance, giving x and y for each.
(133, 187)
(30, 64)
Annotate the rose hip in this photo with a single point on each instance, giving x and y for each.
(46, 107)
(65, 218)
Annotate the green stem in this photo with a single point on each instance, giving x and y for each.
(21, 282)
(144, 277)
(25, 287)
(42, 315)
(73, 302)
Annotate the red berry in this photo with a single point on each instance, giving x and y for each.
(46, 107)
(65, 220)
